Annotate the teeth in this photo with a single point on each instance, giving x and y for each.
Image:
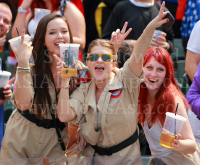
(59, 43)
(99, 67)
(153, 80)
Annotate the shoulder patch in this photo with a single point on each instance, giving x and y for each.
(115, 93)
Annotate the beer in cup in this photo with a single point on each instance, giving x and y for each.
(69, 55)
(172, 127)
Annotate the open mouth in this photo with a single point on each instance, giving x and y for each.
(152, 80)
(57, 44)
(99, 69)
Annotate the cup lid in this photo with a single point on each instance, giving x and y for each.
(177, 117)
(4, 73)
(16, 38)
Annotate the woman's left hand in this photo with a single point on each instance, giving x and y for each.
(176, 141)
(118, 36)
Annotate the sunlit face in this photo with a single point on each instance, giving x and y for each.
(57, 32)
(5, 19)
(99, 69)
(154, 74)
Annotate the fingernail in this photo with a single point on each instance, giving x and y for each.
(167, 20)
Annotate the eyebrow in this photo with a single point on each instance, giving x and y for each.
(55, 29)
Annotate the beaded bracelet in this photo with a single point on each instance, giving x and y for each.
(148, 37)
(67, 87)
(23, 70)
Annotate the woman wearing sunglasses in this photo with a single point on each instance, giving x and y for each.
(106, 107)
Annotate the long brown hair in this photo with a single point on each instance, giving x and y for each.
(42, 68)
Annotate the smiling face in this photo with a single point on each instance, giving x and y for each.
(57, 32)
(154, 74)
(99, 69)
(5, 19)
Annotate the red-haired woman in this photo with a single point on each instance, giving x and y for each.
(74, 17)
(159, 93)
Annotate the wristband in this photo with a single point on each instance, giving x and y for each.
(21, 10)
(67, 87)
(23, 70)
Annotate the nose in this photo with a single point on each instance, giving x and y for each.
(59, 35)
(1, 22)
(100, 60)
(154, 73)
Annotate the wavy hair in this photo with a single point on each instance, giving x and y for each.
(165, 95)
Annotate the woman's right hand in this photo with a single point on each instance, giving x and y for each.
(26, 4)
(60, 63)
(24, 50)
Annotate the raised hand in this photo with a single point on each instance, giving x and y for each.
(118, 37)
(24, 50)
(159, 20)
(26, 4)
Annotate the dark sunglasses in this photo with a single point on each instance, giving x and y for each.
(95, 57)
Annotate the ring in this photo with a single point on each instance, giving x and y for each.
(122, 33)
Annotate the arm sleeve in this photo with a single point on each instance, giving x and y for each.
(29, 79)
(77, 103)
(131, 81)
(193, 95)
(194, 40)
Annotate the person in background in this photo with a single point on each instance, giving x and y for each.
(5, 23)
(123, 54)
(138, 13)
(190, 18)
(159, 93)
(193, 98)
(72, 14)
(96, 15)
(193, 52)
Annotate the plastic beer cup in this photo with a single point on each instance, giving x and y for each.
(69, 55)
(4, 78)
(172, 127)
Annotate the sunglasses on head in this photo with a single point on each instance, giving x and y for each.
(95, 57)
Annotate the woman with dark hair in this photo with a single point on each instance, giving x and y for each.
(75, 18)
(31, 130)
(159, 93)
(106, 107)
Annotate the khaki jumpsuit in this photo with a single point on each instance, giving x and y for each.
(24, 139)
(118, 116)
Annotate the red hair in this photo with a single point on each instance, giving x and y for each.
(165, 95)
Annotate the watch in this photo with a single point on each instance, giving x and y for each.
(21, 10)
